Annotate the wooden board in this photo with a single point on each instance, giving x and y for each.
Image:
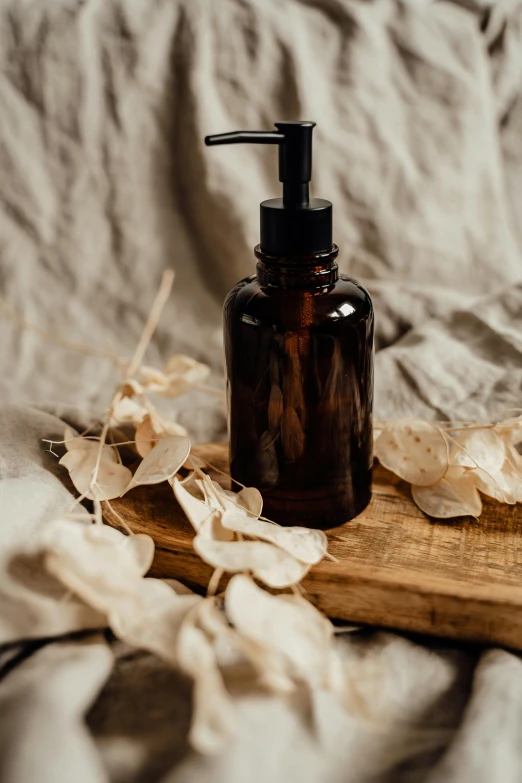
(460, 579)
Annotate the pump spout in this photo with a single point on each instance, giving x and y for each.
(245, 137)
(295, 155)
(294, 225)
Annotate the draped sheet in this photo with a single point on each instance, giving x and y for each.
(105, 182)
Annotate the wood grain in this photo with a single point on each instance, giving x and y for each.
(460, 579)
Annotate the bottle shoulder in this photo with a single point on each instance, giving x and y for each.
(353, 290)
(249, 282)
(240, 296)
(346, 299)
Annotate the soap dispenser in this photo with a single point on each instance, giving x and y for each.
(299, 355)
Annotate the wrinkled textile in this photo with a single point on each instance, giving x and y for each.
(105, 183)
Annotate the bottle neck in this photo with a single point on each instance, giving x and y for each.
(313, 272)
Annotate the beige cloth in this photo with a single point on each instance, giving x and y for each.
(104, 183)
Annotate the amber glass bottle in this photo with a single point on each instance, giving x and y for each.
(299, 358)
(298, 342)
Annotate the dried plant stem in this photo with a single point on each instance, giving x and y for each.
(76, 502)
(214, 582)
(222, 472)
(98, 515)
(467, 426)
(148, 331)
(331, 557)
(458, 426)
(152, 322)
(446, 443)
(119, 517)
(103, 437)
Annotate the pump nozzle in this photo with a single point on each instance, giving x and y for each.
(305, 226)
(295, 155)
(245, 137)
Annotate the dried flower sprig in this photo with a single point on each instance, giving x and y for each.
(284, 639)
(449, 463)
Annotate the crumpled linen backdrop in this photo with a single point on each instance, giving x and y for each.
(104, 183)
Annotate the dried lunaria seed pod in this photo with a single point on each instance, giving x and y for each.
(213, 528)
(181, 369)
(453, 496)
(249, 499)
(131, 388)
(482, 449)
(96, 562)
(449, 465)
(204, 518)
(105, 569)
(178, 376)
(74, 442)
(163, 462)
(272, 565)
(288, 626)
(213, 715)
(504, 485)
(152, 428)
(308, 546)
(127, 411)
(415, 450)
(212, 492)
(193, 462)
(510, 430)
(195, 510)
(151, 618)
(84, 458)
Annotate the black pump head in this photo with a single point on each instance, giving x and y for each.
(294, 225)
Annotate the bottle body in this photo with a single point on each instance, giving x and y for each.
(299, 357)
